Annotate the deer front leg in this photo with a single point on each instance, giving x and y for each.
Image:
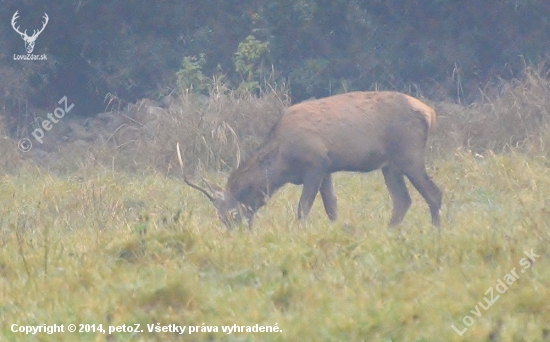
(312, 183)
(329, 198)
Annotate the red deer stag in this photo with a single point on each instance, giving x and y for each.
(359, 131)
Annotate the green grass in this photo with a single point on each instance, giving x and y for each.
(96, 247)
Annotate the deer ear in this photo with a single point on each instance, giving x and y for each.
(216, 190)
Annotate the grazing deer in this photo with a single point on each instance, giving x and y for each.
(359, 132)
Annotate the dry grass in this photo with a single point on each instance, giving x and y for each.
(213, 132)
(516, 118)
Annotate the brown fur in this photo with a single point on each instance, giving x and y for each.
(360, 132)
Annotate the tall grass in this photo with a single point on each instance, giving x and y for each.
(213, 131)
(513, 117)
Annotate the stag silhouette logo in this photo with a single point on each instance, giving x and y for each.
(29, 40)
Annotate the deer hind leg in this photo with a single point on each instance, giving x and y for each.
(329, 198)
(395, 181)
(431, 193)
(312, 184)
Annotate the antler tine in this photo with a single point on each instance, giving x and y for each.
(208, 185)
(187, 181)
(14, 22)
(195, 186)
(46, 19)
(44, 23)
(15, 17)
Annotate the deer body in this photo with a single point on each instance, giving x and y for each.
(358, 132)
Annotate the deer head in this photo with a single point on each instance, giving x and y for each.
(230, 211)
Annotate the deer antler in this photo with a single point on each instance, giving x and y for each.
(187, 181)
(13, 23)
(35, 34)
(44, 23)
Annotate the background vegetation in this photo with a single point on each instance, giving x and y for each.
(445, 48)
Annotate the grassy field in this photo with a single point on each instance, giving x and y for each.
(98, 230)
(108, 248)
